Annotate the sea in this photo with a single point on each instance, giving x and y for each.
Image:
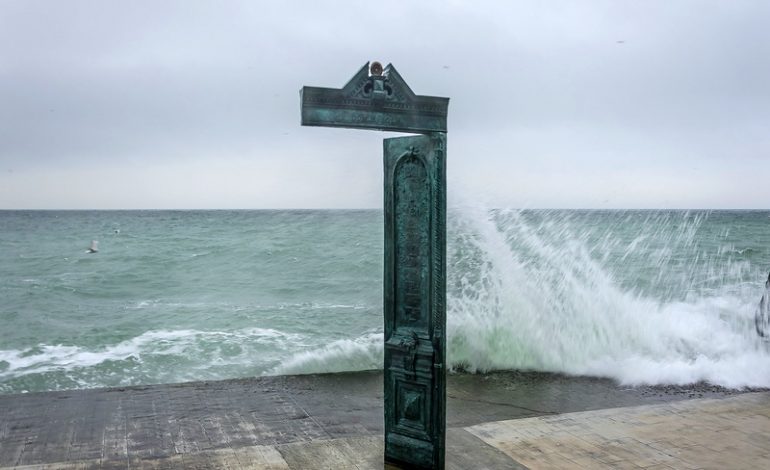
(638, 296)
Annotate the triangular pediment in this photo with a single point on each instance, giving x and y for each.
(372, 101)
(360, 86)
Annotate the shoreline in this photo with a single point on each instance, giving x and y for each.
(693, 390)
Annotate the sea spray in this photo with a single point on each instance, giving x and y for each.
(537, 295)
(536, 290)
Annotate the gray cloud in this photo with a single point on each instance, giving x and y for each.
(558, 104)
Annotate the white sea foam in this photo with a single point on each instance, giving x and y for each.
(362, 353)
(204, 346)
(556, 308)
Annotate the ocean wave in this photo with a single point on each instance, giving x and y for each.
(165, 304)
(206, 348)
(362, 353)
(678, 343)
(540, 297)
(532, 302)
(644, 297)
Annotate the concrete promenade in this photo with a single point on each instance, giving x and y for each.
(729, 433)
(505, 420)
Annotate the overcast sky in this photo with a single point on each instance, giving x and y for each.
(554, 104)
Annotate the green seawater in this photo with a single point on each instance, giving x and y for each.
(171, 296)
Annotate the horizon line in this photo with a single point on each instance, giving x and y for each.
(377, 208)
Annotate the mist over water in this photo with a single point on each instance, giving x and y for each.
(657, 297)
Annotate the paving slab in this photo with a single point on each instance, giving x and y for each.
(728, 433)
(280, 422)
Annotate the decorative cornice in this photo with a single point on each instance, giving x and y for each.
(379, 102)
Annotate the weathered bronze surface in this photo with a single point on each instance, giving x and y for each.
(415, 293)
(378, 102)
(415, 250)
(762, 315)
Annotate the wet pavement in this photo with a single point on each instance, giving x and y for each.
(288, 421)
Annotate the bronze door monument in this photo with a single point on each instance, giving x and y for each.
(415, 250)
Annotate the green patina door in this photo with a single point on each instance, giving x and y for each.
(415, 250)
(414, 307)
